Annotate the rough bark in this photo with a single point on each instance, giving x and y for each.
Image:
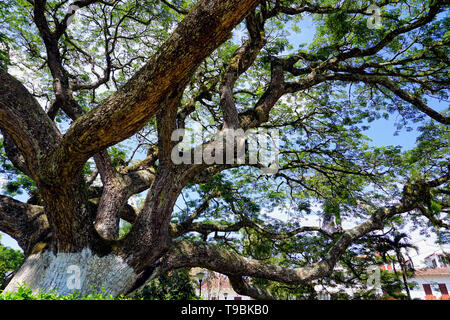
(70, 231)
(241, 287)
(207, 26)
(113, 198)
(26, 223)
(55, 162)
(24, 121)
(150, 234)
(14, 154)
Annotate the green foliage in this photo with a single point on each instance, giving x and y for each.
(392, 285)
(26, 293)
(175, 285)
(125, 228)
(10, 260)
(117, 156)
(4, 40)
(329, 166)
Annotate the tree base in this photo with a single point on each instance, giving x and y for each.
(81, 272)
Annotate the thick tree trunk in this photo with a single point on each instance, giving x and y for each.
(73, 246)
(81, 272)
(150, 236)
(73, 255)
(74, 258)
(69, 214)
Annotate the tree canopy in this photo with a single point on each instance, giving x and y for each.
(92, 91)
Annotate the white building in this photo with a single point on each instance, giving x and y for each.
(214, 286)
(432, 282)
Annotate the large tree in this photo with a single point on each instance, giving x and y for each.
(92, 76)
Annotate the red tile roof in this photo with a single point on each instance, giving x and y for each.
(432, 271)
(436, 253)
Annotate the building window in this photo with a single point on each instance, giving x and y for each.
(433, 263)
(427, 289)
(443, 289)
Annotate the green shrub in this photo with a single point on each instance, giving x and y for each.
(10, 260)
(25, 293)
